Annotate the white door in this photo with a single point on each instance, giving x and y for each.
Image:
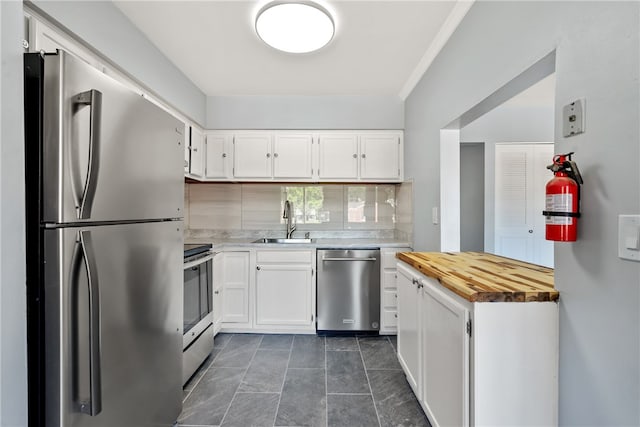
(520, 178)
(235, 287)
(408, 323)
(542, 248)
(338, 156)
(197, 152)
(380, 157)
(283, 295)
(252, 156)
(217, 157)
(292, 156)
(445, 356)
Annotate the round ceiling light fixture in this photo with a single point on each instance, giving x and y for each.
(295, 26)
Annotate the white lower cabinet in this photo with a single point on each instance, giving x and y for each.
(285, 291)
(388, 290)
(409, 349)
(235, 287)
(218, 288)
(477, 364)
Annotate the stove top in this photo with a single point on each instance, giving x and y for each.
(195, 249)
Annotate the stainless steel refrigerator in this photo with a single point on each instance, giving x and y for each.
(104, 181)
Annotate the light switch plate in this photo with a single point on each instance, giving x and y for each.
(628, 237)
(573, 118)
(434, 215)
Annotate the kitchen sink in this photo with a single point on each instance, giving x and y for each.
(285, 241)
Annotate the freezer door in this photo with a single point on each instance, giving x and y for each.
(107, 153)
(113, 325)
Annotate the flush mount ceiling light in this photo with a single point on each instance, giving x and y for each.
(295, 27)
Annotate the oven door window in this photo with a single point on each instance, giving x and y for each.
(192, 297)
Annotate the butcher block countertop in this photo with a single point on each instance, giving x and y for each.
(483, 277)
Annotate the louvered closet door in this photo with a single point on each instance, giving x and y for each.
(520, 179)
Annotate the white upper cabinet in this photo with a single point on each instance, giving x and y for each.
(380, 156)
(292, 156)
(196, 146)
(252, 156)
(338, 156)
(217, 156)
(301, 156)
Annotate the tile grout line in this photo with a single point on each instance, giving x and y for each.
(245, 373)
(205, 371)
(284, 379)
(364, 366)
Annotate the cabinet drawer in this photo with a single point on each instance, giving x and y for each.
(389, 299)
(389, 259)
(390, 318)
(288, 257)
(389, 279)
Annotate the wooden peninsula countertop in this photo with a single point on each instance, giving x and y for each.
(483, 277)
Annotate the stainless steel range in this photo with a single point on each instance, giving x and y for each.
(198, 308)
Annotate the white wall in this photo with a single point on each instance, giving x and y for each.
(597, 57)
(13, 334)
(104, 27)
(305, 112)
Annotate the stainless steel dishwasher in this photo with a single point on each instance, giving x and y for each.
(348, 290)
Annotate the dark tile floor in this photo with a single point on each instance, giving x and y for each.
(300, 380)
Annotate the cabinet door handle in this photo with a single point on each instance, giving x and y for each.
(364, 156)
(275, 154)
(268, 155)
(194, 149)
(355, 156)
(216, 292)
(224, 154)
(395, 315)
(257, 267)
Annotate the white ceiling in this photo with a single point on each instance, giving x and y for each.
(379, 48)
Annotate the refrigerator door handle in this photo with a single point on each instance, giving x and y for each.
(92, 98)
(84, 251)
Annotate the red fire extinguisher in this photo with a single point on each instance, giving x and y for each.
(563, 200)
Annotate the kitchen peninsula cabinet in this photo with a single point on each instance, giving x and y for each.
(478, 338)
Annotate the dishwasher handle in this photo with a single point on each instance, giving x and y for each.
(347, 259)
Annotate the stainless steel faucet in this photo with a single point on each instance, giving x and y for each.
(288, 215)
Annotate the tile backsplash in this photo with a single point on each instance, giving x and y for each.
(229, 210)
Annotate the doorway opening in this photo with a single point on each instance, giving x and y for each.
(496, 155)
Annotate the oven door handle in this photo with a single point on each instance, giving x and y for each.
(199, 261)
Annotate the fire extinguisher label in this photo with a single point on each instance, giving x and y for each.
(559, 203)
